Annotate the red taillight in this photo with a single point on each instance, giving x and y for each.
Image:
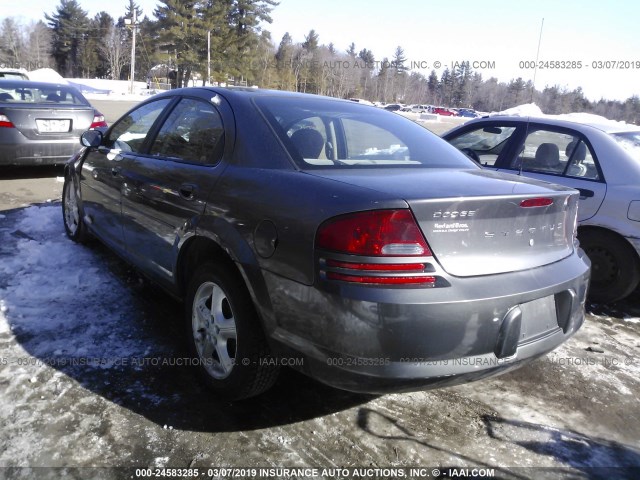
(417, 280)
(380, 233)
(373, 233)
(379, 267)
(5, 122)
(536, 202)
(98, 121)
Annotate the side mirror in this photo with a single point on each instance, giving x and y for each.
(91, 138)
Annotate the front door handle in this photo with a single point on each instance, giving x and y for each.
(187, 191)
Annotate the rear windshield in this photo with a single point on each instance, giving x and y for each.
(325, 133)
(13, 75)
(24, 93)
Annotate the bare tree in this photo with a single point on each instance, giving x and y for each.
(38, 45)
(11, 43)
(115, 49)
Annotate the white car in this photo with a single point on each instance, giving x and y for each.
(13, 74)
(601, 159)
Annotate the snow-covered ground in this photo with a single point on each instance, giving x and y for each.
(90, 376)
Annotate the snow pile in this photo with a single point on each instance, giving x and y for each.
(102, 89)
(95, 88)
(46, 75)
(533, 110)
(526, 110)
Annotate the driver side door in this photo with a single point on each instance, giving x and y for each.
(101, 180)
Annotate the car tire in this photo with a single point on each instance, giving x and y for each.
(74, 225)
(615, 268)
(224, 335)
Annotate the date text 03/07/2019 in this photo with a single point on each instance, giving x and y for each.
(579, 64)
(313, 472)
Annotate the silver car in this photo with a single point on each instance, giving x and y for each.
(41, 123)
(600, 160)
(334, 237)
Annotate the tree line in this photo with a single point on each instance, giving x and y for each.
(224, 41)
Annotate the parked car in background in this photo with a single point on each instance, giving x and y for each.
(444, 111)
(337, 234)
(393, 107)
(418, 108)
(600, 160)
(467, 112)
(41, 123)
(13, 74)
(362, 101)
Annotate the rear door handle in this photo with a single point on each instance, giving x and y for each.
(187, 191)
(584, 193)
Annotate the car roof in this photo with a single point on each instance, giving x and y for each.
(248, 92)
(575, 121)
(7, 83)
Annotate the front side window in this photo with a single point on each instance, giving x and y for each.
(323, 133)
(192, 133)
(484, 144)
(129, 133)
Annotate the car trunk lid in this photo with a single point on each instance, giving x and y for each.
(498, 233)
(479, 222)
(39, 122)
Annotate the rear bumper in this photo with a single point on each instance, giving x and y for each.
(382, 340)
(38, 152)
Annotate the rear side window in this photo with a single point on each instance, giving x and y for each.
(129, 133)
(556, 153)
(326, 133)
(192, 133)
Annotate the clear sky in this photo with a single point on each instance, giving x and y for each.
(599, 39)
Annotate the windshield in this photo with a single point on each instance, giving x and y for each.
(630, 141)
(325, 133)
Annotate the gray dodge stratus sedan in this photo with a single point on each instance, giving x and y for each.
(335, 237)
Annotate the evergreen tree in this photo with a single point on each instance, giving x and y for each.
(284, 63)
(182, 35)
(352, 50)
(311, 41)
(69, 25)
(432, 88)
(398, 61)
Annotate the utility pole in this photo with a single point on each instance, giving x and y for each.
(133, 24)
(208, 57)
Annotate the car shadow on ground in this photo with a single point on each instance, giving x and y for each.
(121, 337)
(595, 457)
(592, 456)
(28, 173)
